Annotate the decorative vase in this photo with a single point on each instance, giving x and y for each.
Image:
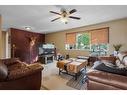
(115, 53)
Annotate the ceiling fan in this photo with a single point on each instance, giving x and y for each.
(64, 15)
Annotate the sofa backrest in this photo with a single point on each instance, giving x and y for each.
(9, 61)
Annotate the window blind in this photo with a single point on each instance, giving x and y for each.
(99, 36)
(71, 38)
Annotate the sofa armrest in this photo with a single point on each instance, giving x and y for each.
(115, 80)
(108, 58)
(35, 66)
(25, 71)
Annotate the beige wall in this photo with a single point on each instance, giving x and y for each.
(1, 40)
(4, 43)
(117, 34)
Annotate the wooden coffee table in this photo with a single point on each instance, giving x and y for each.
(72, 67)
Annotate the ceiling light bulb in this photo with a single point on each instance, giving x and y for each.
(28, 28)
(64, 19)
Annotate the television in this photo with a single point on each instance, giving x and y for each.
(48, 46)
(46, 49)
(41, 51)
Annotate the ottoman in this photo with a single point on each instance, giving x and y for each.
(72, 67)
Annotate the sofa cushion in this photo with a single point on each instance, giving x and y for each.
(19, 71)
(3, 71)
(111, 69)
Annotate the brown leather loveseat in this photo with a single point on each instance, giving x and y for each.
(17, 75)
(101, 80)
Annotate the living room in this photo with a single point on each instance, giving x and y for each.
(77, 35)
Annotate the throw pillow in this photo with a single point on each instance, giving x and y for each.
(125, 61)
(3, 71)
(119, 64)
(120, 56)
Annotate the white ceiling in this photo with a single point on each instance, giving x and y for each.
(38, 17)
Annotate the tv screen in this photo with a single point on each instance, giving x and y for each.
(41, 51)
(48, 46)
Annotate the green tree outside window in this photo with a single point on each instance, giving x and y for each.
(83, 41)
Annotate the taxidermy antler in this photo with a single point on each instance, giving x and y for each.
(32, 40)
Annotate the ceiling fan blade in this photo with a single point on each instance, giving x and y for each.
(72, 11)
(55, 12)
(78, 18)
(55, 19)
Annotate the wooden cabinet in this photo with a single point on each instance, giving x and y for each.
(48, 58)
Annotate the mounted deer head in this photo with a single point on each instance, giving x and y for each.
(32, 40)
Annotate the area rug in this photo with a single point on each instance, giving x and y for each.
(43, 88)
(78, 84)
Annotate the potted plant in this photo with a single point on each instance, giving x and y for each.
(117, 48)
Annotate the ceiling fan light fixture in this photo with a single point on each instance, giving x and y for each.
(64, 15)
(64, 20)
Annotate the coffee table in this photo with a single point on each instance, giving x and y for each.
(72, 67)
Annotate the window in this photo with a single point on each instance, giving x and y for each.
(83, 41)
(96, 41)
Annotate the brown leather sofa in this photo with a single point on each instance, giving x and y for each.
(17, 75)
(100, 80)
